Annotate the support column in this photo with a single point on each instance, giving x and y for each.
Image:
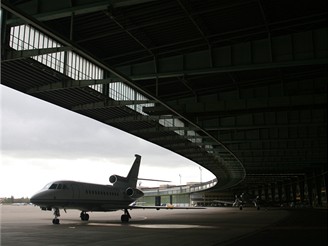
(105, 88)
(301, 184)
(317, 183)
(3, 24)
(273, 192)
(294, 190)
(280, 193)
(309, 182)
(5, 33)
(157, 200)
(266, 193)
(287, 191)
(260, 192)
(325, 179)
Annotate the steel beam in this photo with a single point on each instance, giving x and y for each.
(232, 58)
(12, 55)
(227, 69)
(255, 127)
(57, 11)
(68, 84)
(233, 140)
(108, 104)
(138, 118)
(246, 106)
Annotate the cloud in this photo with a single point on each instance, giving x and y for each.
(50, 143)
(32, 128)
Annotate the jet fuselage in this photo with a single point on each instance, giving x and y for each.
(84, 196)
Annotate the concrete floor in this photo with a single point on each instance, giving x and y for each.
(28, 225)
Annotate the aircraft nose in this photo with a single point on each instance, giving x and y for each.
(32, 199)
(35, 199)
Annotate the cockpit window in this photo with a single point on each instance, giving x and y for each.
(53, 186)
(46, 187)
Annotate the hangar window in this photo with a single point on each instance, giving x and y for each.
(122, 92)
(53, 54)
(173, 123)
(80, 68)
(25, 37)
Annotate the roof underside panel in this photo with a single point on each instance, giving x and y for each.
(240, 87)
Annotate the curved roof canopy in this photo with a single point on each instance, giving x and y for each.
(239, 87)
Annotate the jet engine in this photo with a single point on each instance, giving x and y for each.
(118, 181)
(134, 193)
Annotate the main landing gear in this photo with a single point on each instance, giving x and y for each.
(126, 216)
(55, 221)
(84, 216)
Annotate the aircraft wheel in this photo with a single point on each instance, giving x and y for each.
(55, 221)
(84, 216)
(125, 218)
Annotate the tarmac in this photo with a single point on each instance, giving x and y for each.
(28, 225)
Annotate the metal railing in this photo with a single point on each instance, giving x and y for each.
(184, 189)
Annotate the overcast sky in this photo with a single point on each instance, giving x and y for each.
(41, 142)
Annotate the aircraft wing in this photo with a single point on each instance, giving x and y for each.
(169, 206)
(224, 202)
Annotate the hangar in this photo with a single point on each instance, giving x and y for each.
(239, 87)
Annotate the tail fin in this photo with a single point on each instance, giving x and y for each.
(134, 172)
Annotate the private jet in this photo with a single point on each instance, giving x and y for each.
(87, 197)
(242, 200)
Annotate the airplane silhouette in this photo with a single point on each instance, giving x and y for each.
(87, 197)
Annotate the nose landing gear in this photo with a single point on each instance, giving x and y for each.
(55, 221)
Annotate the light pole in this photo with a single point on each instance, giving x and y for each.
(200, 170)
(180, 178)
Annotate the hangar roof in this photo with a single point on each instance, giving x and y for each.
(239, 87)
